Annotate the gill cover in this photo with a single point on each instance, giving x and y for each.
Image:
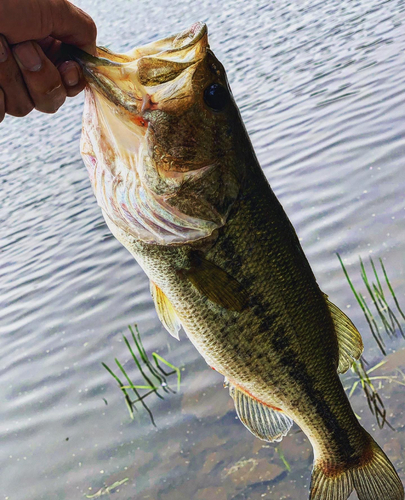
(153, 141)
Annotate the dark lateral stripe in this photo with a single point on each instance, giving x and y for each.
(296, 368)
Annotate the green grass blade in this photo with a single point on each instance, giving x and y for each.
(127, 377)
(389, 321)
(394, 321)
(386, 308)
(139, 387)
(139, 398)
(387, 326)
(390, 379)
(139, 345)
(280, 453)
(377, 279)
(386, 312)
(143, 397)
(366, 310)
(378, 365)
(113, 374)
(108, 489)
(156, 372)
(374, 328)
(138, 342)
(395, 324)
(156, 357)
(391, 289)
(121, 386)
(148, 380)
(354, 386)
(350, 283)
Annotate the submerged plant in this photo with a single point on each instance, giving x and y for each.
(154, 376)
(281, 456)
(106, 490)
(385, 319)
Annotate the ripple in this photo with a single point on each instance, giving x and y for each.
(320, 86)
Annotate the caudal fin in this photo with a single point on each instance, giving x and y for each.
(373, 479)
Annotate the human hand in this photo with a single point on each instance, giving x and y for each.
(32, 72)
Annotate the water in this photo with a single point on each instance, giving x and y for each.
(321, 87)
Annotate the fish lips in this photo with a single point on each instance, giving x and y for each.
(127, 80)
(99, 72)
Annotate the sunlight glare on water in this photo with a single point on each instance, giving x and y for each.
(321, 88)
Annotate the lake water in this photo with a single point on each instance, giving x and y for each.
(321, 87)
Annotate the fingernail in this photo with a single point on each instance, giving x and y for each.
(28, 56)
(70, 74)
(3, 50)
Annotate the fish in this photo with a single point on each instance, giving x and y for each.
(178, 182)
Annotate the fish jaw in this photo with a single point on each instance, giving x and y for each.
(158, 165)
(124, 79)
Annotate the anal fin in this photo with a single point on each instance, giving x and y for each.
(349, 339)
(263, 421)
(165, 311)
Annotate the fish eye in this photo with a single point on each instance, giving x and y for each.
(216, 96)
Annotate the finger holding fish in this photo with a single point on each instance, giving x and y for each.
(31, 35)
(2, 106)
(70, 72)
(16, 99)
(41, 78)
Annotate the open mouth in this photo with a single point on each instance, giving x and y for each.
(131, 188)
(127, 80)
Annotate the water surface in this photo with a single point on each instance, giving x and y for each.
(321, 87)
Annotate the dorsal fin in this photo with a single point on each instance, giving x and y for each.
(216, 284)
(349, 339)
(165, 311)
(264, 422)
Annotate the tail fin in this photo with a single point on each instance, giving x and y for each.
(373, 479)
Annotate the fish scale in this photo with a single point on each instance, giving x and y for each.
(227, 346)
(235, 277)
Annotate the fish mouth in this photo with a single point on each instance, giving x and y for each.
(129, 79)
(119, 141)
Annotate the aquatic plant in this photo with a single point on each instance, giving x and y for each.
(385, 313)
(106, 490)
(154, 376)
(281, 456)
(387, 319)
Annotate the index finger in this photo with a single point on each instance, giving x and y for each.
(22, 20)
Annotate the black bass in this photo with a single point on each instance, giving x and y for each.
(175, 174)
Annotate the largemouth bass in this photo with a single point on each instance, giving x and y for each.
(176, 177)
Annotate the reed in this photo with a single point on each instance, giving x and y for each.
(155, 378)
(386, 318)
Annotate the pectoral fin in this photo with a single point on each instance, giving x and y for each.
(216, 284)
(264, 422)
(349, 338)
(165, 311)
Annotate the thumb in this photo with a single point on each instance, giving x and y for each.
(22, 20)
